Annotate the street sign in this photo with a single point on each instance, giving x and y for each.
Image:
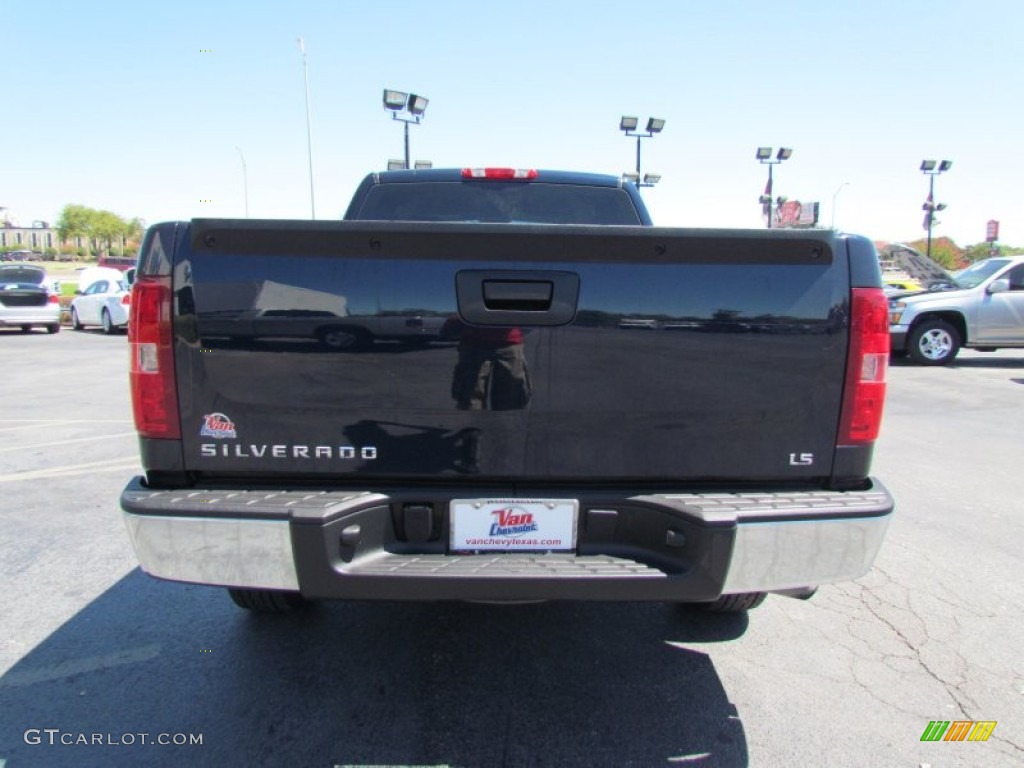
(991, 231)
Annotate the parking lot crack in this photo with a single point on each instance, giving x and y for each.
(873, 601)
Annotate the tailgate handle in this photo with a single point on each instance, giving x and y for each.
(517, 297)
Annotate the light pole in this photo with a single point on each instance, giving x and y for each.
(764, 155)
(628, 125)
(929, 168)
(398, 101)
(834, 196)
(245, 181)
(309, 131)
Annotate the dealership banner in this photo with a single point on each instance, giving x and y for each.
(794, 214)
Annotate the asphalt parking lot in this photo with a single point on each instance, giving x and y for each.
(90, 646)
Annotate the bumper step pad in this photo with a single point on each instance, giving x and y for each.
(504, 566)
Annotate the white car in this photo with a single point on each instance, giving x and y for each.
(26, 299)
(89, 275)
(105, 303)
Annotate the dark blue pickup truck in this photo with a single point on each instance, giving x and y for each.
(499, 384)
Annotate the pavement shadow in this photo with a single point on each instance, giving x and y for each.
(991, 362)
(370, 684)
(903, 361)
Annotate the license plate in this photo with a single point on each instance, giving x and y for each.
(513, 525)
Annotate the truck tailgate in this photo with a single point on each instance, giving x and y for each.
(344, 350)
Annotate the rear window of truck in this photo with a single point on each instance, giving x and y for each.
(499, 203)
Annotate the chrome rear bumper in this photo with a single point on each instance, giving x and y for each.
(674, 547)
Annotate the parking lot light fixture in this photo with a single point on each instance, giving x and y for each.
(395, 100)
(629, 125)
(764, 156)
(928, 167)
(413, 104)
(417, 104)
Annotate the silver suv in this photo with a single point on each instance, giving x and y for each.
(984, 311)
(26, 299)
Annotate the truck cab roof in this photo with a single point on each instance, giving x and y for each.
(512, 196)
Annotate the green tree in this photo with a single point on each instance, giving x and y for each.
(106, 228)
(979, 251)
(102, 228)
(133, 235)
(944, 252)
(135, 228)
(75, 221)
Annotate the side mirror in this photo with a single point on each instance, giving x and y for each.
(79, 293)
(998, 286)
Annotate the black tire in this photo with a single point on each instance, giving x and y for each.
(266, 600)
(108, 324)
(344, 338)
(53, 328)
(745, 601)
(76, 324)
(933, 342)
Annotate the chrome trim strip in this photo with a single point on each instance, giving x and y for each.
(770, 556)
(227, 552)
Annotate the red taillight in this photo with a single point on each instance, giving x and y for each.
(866, 363)
(502, 174)
(150, 336)
(126, 299)
(53, 299)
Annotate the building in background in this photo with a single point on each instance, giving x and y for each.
(39, 237)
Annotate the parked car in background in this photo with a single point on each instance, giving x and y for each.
(105, 303)
(900, 285)
(89, 275)
(26, 299)
(122, 263)
(984, 310)
(23, 255)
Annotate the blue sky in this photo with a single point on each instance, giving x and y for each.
(118, 105)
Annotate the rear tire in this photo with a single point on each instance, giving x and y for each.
(744, 601)
(76, 324)
(266, 600)
(108, 324)
(53, 328)
(933, 342)
(345, 338)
